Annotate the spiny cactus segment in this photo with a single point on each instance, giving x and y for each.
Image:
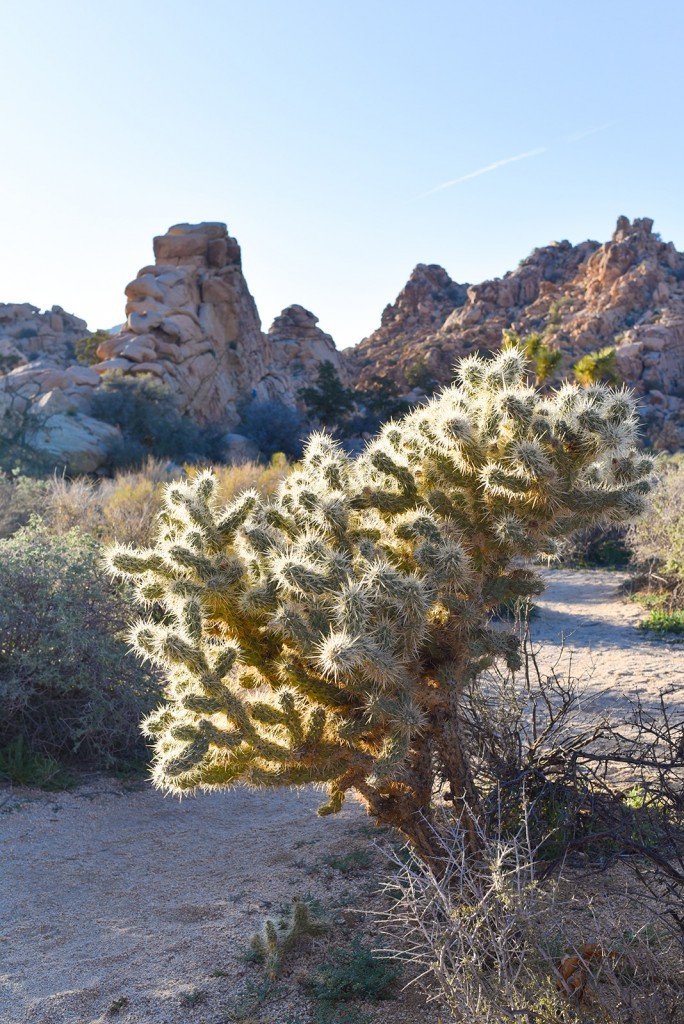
(325, 635)
(280, 935)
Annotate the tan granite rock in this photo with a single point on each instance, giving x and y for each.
(192, 321)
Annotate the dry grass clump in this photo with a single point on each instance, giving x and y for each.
(232, 480)
(122, 508)
(492, 941)
(658, 539)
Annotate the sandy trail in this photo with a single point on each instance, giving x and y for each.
(584, 610)
(108, 894)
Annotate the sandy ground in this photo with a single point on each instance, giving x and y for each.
(111, 893)
(582, 610)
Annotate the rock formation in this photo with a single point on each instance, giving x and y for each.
(192, 322)
(627, 293)
(419, 310)
(27, 334)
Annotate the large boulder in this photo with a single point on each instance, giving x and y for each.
(74, 442)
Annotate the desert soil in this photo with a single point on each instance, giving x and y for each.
(113, 895)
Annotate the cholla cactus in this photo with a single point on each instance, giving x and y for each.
(325, 636)
(280, 935)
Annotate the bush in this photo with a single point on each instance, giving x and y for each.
(605, 547)
(597, 368)
(355, 972)
(20, 498)
(498, 942)
(328, 401)
(274, 427)
(545, 359)
(85, 349)
(658, 541)
(69, 689)
(328, 635)
(147, 414)
(125, 507)
(419, 375)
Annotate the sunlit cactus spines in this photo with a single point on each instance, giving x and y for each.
(326, 635)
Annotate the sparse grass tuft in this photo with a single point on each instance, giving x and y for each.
(195, 997)
(20, 766)
(117, 1005)
(356, 860)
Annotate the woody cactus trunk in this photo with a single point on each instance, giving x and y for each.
(326, 635)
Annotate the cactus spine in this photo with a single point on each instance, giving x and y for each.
(325, 636)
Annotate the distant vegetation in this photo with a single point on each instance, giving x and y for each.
(85, 349)
(146, 412)
(597, 368)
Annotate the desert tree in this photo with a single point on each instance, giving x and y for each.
(327, 635)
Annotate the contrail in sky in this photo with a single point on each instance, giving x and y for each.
(593, 131)
(484, 170)
(520, 156)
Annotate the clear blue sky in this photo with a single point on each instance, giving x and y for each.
(320, 132)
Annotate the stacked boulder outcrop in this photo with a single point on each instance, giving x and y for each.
(192, 322)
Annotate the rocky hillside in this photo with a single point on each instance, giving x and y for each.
(627, 293)
(192, 323)
(27, 334)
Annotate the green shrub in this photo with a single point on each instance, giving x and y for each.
(605, 547)
(419, 375)
(597, 368)
(328, 400)
(146, 412)
(69, 689)
(274, 427)
(85, 349)
(354, 972)
(664, 621)
(545, 359)
(327, 635)
(21, 767)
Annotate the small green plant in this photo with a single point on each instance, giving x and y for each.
(117, 1005)
(355, 972)
(419, 375)
(355, 860)
(248, 1002)
(339, 1013)
(195, 997)
(20, 766)
(280, 935)
(545, 360)
(597, 368)
(664, 621)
